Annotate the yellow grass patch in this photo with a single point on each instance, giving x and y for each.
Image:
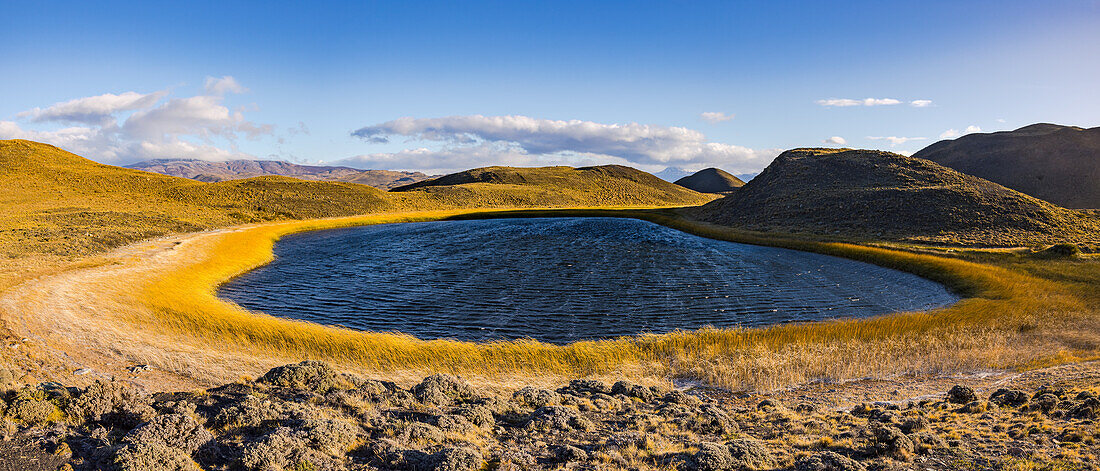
(1008, 319)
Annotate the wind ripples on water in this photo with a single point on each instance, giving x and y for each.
(561, 280)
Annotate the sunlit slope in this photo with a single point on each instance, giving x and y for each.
(59, 204)
(52, 201)
(608, 185)
(875, 195)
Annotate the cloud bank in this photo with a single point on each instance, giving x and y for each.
(477, 140)
(134, 126)
(835, 141)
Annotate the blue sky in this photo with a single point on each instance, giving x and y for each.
(442, 86)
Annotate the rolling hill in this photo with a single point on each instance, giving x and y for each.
(1059, 164)
(55, 204)
(214, 171)
(711, 180)
(615, 185)
(865, 194)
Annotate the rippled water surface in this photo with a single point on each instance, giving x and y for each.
(560, 280)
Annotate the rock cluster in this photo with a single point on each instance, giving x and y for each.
(307, 416)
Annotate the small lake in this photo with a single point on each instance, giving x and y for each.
(560, 280)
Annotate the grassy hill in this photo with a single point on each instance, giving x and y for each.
(711, 180)
(869, 195)
(55, 205)
(615, 185)
(214, 171)
(1060, 164)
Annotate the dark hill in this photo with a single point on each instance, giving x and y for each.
(880, 195)
(1060, 164)
(711, 180)
(214, 171)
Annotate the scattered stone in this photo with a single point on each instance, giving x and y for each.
(536, 398)
(442, 389)
(314, 376)
(1086, 409)
(178, 431)
(82, 371)
(828, 461)
(889, 441)
(585, 387)
(751, 453)
(153, 456)
(570, 454)
(1008, 398)
(456, 459)
(713, 457)
(961, 395)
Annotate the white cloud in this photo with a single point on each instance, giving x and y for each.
(835, 140)
(715, 116)
(179, 128)
(920, 103)
(843, 102)
(953, 133)
(522, 137)
(1001, 120)
(98, 110)
(223, 85)
(894, 140)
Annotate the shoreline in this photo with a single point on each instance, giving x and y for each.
(163, 304)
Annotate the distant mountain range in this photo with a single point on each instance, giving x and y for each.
(1059, 164)
(215, 171)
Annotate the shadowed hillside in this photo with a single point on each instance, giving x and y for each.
(1060, 164)
(213, 171)
(711, 180)
(615, 185)
(880, 195)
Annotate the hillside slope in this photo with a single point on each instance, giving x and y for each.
(615, 185)
(57, 205)
(711, 180)
(1059, 164)
(52, 201)
(880, 195)
(212, 171)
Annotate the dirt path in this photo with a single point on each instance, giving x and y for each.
(71, 324)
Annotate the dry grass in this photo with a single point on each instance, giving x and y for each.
(156, 304)
(1009, 319)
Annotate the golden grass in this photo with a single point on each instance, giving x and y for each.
(57, 209)
(1008, 319)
